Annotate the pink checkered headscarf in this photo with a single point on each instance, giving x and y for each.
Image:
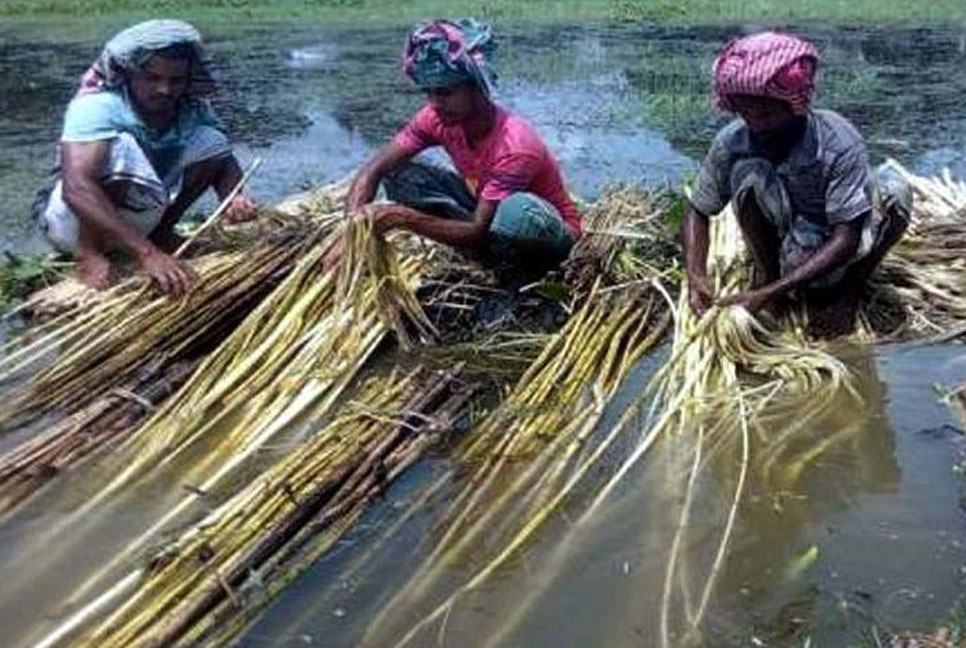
(769, 64)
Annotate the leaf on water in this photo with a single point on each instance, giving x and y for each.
(553, 290)
(675, 215)
(800, 564)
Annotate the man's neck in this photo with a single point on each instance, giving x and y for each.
(477, 127)
(777, 145)
(159, 121)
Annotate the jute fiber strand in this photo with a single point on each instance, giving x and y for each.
(926, 269)
(202, 588)
(289, 362)
(724, 373)
(524, 460)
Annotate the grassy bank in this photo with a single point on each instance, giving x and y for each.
(382, 11)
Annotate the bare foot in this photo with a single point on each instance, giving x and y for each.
(94, 270)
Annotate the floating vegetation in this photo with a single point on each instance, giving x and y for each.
(21, 276)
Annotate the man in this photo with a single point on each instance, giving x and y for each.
(139, 146)
(507, 204)
(799, 182)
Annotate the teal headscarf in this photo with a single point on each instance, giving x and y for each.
(441, 53)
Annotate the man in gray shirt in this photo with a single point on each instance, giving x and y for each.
(800, 185)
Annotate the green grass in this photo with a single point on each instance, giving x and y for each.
(22, 275)
(384, 11)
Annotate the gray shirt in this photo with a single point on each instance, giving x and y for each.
(826, 174)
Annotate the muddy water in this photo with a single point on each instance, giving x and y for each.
(868, 536)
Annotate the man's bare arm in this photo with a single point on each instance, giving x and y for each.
(455, 233)
(83, 163)
(82, 191)
(836, 251)
(696, 240)
(366, 182)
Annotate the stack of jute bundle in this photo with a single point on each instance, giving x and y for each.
(89, 376)
(286, 365)
(206, 584)
(293, 357)
(926, 270)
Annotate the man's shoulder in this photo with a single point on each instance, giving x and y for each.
(96, 116)
(426, 118)
(106, 102)
(732, 136)
(729, 143)
(519, 137)
(837, 134)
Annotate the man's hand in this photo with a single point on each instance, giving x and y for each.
(174, 277)
(752, 300)
(241, 209)
(358, 197)
(383, 217)
(700, 294)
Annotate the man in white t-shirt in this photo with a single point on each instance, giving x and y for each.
(140, 144)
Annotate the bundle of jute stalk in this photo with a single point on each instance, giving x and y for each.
(529, 455)
(30, 465)
(202, 588)
(288, 363)
(627, 240)
(927, 267)
(111, 360)
(84, 353)
(525, 458)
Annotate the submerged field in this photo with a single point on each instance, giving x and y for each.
(863, 11)
(871, 538)
(617, 102)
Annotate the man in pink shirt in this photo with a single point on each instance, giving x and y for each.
(507, 204)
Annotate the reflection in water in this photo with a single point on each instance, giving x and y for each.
(795, 483)
(831, 539)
